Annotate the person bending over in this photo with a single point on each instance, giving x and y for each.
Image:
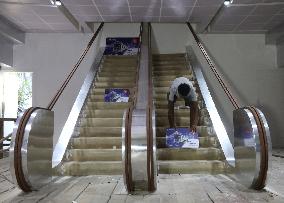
(183, 88)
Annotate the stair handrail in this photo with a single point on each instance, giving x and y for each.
(213, 68)
(151, 138)
(137, 140)
(247, 118)
(127, 121)
(33, 118)
(76, 66)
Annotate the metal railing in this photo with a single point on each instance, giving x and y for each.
(252, 142)
(31, 163)
(138, 141)
(2, 138)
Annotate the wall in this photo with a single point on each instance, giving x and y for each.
(247, 64)
(51, 57)
(6, 51)
(280, 54)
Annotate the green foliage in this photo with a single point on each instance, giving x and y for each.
(24, 92)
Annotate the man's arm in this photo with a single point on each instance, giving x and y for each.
(193, 115)
(171, 114)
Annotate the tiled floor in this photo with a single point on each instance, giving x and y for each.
(171, 188)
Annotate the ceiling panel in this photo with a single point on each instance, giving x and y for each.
(111, 3)
(209, 2)
(267, 10)
(78, 2)
(242, 16)
(114, 10)
(145, 11)
(145, 18)
(146, 3)
(181, 3)
(108, 18)
(176, 11)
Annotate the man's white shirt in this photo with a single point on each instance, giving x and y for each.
(174, 89)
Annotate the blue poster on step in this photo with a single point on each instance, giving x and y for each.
(181, 138)
(121, 46)
(116, 95)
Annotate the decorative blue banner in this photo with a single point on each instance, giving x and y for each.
(122, 46)
(181, 138)
(116, 95)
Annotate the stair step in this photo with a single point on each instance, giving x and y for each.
(162, 104)
(103, 113)
(75, 168)
(95, 155)
(168, 56)
(107, 105)
(177, 73)
(192, 167)
(189, 154)
(96, 143)
(116, 79)
(114, 84)
(171, 77)
(99, 131)
(101, 122)
(178, 62)
(117, 74)
(203, 142)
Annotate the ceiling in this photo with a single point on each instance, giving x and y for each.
(244, 16)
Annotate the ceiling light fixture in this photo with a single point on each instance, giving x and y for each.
(228, 2)
(56, 2)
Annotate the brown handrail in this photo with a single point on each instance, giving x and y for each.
(150, 158)
(128, 124)
(60, 91)
(214, 70)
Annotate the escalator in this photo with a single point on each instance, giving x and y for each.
(95, 147)
(208, 158)
(128, 139)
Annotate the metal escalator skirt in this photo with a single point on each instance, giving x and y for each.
(36, 150)
(68, 129)
(218, 125)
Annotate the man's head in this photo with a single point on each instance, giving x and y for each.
(183, 89)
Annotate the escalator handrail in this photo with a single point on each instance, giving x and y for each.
(213, 68)
(128, 123)
(63, 86)
(150, 158)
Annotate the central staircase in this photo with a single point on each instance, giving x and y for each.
(208, 158)
(95, 147)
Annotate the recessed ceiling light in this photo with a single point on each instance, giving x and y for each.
(228, 2)
(56, 2)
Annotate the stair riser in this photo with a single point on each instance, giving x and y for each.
(95, 155)
(101, 122)
(97, 143)
(100, 132)
(196, 168)
(77, 169)
(189, 154)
